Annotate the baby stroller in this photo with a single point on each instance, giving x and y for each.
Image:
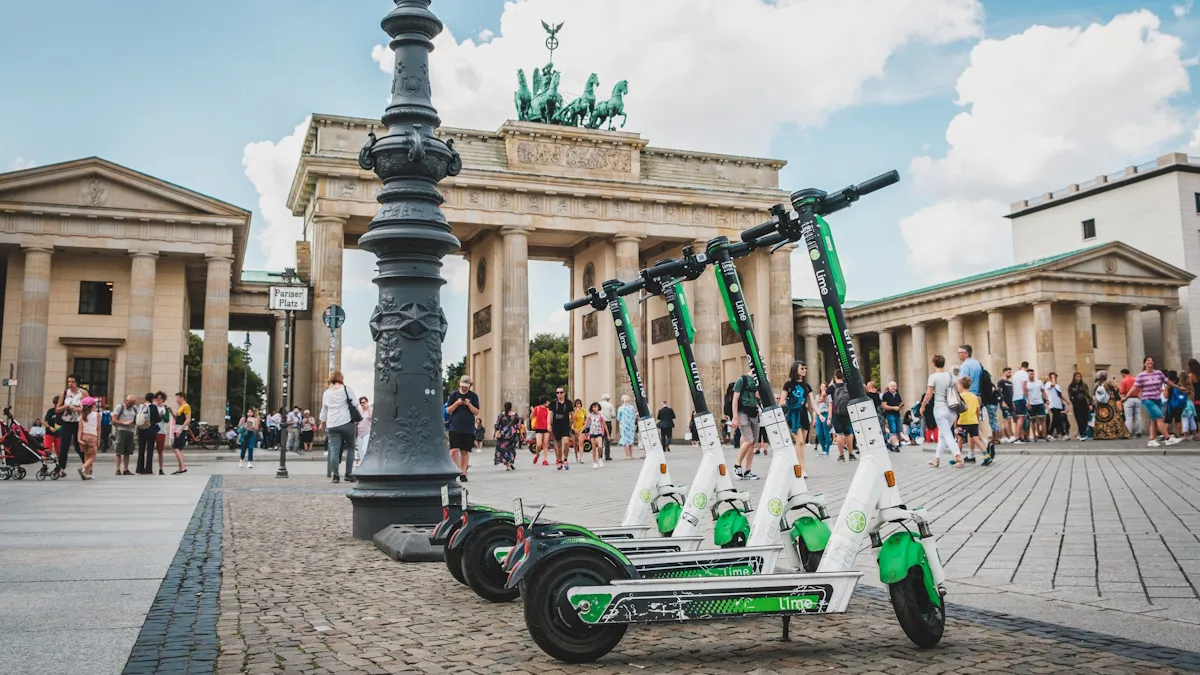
(18, 450)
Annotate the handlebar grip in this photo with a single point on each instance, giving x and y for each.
(576, 304)
(878, 183)
(631, 287)
(761, 230)
(770, 240)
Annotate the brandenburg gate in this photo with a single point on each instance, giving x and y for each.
(604, 203)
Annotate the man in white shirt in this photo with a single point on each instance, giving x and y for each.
(1020, 379)
(1035, 396)
(294, 417)
(610, 414)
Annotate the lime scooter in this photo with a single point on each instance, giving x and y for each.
(477, 539)
(578, 604)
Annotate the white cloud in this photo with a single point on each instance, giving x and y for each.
(685, 89)
(485, 35)
(1181, 11)
(557, 322)
(953, 238)
(21, 163)
(457, 272)
(1046, 107)
(358, 369)
(270, 166)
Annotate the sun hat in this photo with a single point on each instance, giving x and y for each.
(90, 400)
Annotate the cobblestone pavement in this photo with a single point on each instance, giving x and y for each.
(299, 595)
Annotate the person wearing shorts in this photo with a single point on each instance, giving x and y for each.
(560, 427)
(124, 419)
(745, 397)
(539, 421)
(462, 406)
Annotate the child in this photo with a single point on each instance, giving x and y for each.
(1189, 421)
(597, 431)
(479, 435)
(968, 424)
(89, 436)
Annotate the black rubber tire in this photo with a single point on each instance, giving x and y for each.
(454, 559)
(922, 621)
(21, 473)
(41, 474)
(810, 560)
(553, 623)
(480, 570)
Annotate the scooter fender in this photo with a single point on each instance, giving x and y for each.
(538, 551)
(813, 532)
(474, 519)
(445, 528)
(899, 553)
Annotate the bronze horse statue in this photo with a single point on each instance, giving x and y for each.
(608, 111)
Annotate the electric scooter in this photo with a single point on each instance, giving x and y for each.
(477, 538)
(578, 604)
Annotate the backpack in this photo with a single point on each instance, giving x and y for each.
(142, 419)
(841, 400)
(729, 400)
(987, 390)
(106, 419)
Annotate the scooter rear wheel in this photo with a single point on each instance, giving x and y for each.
(480, 569)
(922, 621)
(553, 623)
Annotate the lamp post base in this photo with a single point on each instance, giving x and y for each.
(412, 502)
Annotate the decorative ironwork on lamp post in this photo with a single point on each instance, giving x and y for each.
(407, 460)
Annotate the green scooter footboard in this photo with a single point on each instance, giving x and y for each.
(899, 553)
(668, 518)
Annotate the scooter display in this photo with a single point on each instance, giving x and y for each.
(477, 538)
(579, 602)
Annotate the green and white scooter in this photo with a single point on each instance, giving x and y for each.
(477, 538)
(578, 604)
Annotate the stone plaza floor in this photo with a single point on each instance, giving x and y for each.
(1056, 563)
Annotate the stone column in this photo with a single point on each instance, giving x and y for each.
(33, 335)
(1085, 353)
(628, 265)
(1172, 359)
(514, 336)
(999, 343)
(954, 327)
(813, 359)
(328, 239)
(1135, 341)
(707, 316)
(1043, 335)
(214, 368)
(783, 323)
(139, 342)
(887, 359)
(920, 359)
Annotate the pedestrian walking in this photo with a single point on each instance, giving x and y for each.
(610, 415)
(798, 406)
(68, 409)
(839, 411)
(1020, 382)
(53, 425)
(968, 424)
(627, 424)
(295, 417)
(666, 425)
(824, 424)
(578, 429)
(1081, 405)
(105, 428)
(893, 414)
(560, 427)
(339, 413)
(1151, 386)
(462, 406)
(89, 436)
(182, 425)
(745, 400)
(540, 423)
(307, 430)
(247, 438)
(508, 431)
(937, 395)
(1130, 403)
(596, 430)
(363, 430)
(124, 419)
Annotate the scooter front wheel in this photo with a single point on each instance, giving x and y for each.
(553, 623)
(922, 620)
(810, 560)
(482, 572)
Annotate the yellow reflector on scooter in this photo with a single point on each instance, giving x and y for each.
(662, 468)
(890, 478)
(798, 471)
(721, 469)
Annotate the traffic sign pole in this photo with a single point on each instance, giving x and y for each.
(333, 317)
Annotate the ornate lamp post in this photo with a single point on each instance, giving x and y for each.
(407, 461)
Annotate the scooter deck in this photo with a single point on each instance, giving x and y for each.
(722, 562)
(657, 601)
(621, 532)
(637, 547)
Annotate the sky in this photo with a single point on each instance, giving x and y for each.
(976, 102)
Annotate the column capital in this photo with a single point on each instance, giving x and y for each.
(143, 254)
(38, 248)
(1043, 303)
(884, 331)
(622, 237)
(329, 218)
(522, 230)
(998, 310)
(216, 259)
(917, 324)
(1084, 304)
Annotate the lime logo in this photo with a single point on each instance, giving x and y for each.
(701, 500)
(775, 506)
(733, 288)
(618, 322)
(856, 521)
(814, 254)
(670, 307)
(645, 495)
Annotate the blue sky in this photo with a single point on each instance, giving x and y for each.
(178, 90)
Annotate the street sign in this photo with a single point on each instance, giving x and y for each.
(334, 317)
(8, 382)
(289, 298)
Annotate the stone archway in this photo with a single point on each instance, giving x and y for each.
(593, 200)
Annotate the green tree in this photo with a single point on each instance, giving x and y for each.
(454, 373)
(549, 364)
(239, 371)
(873, 371)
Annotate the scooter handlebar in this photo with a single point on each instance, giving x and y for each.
(760, 230)
(577, 304)
(631, 287)
(878, 183)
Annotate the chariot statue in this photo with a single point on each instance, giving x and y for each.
(543, 103)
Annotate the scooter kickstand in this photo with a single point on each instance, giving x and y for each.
(787, 625)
